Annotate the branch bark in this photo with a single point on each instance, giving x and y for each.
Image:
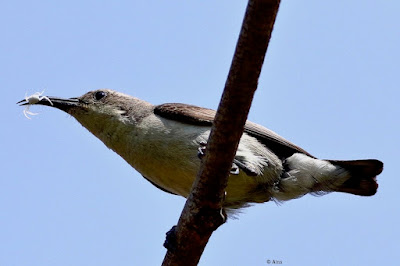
(202, 212)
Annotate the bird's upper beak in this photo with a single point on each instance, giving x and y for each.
(59, 103)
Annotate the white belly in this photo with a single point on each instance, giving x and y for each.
(165, 152)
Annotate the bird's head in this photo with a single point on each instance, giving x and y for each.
(99, 111)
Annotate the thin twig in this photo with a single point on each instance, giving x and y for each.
(202, 212)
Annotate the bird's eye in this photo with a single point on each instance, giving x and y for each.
(99, 95)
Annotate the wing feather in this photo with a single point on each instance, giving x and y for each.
(196, 115)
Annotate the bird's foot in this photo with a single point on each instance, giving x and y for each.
(201, 152)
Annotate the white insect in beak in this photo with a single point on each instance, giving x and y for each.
(33, 99)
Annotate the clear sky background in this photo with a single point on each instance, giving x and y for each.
(330, 84)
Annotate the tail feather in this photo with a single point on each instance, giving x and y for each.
(363, 176)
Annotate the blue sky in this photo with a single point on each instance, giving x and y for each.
(329, 84)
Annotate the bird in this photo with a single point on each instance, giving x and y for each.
(165, 144)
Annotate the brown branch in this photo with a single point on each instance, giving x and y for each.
(202, 212)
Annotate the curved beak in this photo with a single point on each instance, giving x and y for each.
(59, 103)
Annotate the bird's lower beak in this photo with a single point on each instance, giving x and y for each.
(59, 103)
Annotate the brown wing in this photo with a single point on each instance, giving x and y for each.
(195, 115)
(186, 113)
(280, 146)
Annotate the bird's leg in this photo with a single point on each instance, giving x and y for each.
(248, 170)
(201, 152)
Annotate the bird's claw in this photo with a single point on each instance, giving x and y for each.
(234, 169)
(236, 165)
(201, 151)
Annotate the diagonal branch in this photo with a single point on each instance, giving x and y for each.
(202, 212)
